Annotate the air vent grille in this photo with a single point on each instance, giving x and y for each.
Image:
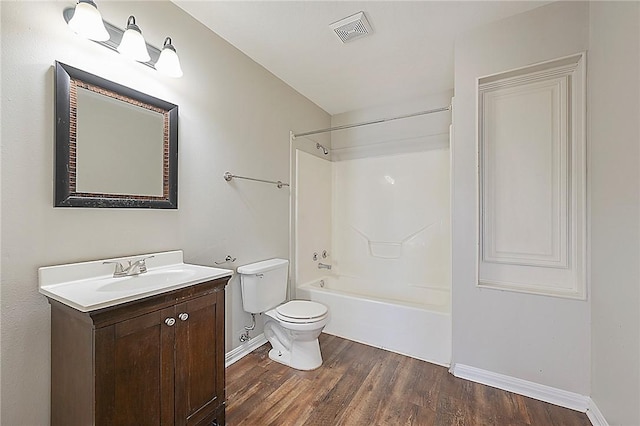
(352, 27)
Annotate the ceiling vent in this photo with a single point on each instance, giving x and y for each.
(352, 27)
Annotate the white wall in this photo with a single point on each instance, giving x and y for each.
(537, 338)
(614, 105)
(234, 116)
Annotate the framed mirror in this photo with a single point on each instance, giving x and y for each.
(115, 146)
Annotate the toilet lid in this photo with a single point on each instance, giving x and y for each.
(301, 311)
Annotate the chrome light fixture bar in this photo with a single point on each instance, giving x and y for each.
(115, 38)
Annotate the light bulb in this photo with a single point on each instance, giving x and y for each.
(168, 62)
(87, 21)
(133, 44)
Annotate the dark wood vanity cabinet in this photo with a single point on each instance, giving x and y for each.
(155, 361)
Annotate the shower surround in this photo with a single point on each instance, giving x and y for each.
(385, 216)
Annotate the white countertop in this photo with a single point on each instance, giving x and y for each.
(88, 286)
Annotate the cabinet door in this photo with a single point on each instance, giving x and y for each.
(134, 371)
(199, 358)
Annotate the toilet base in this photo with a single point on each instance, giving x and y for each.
(304, 355)
(278, 356)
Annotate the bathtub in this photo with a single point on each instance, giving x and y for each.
(419, 328)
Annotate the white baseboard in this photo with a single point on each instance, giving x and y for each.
(533, 390)
(595, 416)
(244, 349)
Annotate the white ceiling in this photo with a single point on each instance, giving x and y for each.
(409, 54)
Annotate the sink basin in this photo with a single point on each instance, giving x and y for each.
(142, 282)
(89, 286)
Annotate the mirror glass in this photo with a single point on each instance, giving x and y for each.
(115, 147)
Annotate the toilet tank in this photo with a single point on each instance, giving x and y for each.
(264, 284)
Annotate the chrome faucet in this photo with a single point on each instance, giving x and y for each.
(136, 268)
(323, 266)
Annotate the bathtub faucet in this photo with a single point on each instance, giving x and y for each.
(323, 266)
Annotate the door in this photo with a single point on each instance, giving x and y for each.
(199, 358)
(134, 371)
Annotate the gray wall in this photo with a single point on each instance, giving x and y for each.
(614, 105)
(541, 339)
(234, 115)
(589, 347)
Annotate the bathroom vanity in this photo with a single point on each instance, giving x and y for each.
(155, 357)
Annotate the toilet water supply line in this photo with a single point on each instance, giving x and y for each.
(244, 337)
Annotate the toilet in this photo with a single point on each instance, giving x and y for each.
(292, 328)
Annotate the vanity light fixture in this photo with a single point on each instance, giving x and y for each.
(133, 44)
(87, 21)
(169, 63)
(128, 42)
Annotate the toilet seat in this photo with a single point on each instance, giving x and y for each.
(301, 311)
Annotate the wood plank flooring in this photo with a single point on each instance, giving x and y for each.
(362, 385)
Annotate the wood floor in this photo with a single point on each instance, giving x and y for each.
(361, 385)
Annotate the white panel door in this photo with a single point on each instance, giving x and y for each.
(532, 179)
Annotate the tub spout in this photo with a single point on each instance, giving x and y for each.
(323, 266)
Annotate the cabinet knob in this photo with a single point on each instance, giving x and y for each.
(183, 316)
(170, 321)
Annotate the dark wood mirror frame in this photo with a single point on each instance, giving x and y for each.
(68, 79)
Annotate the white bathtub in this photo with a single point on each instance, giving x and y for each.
(420, 328)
